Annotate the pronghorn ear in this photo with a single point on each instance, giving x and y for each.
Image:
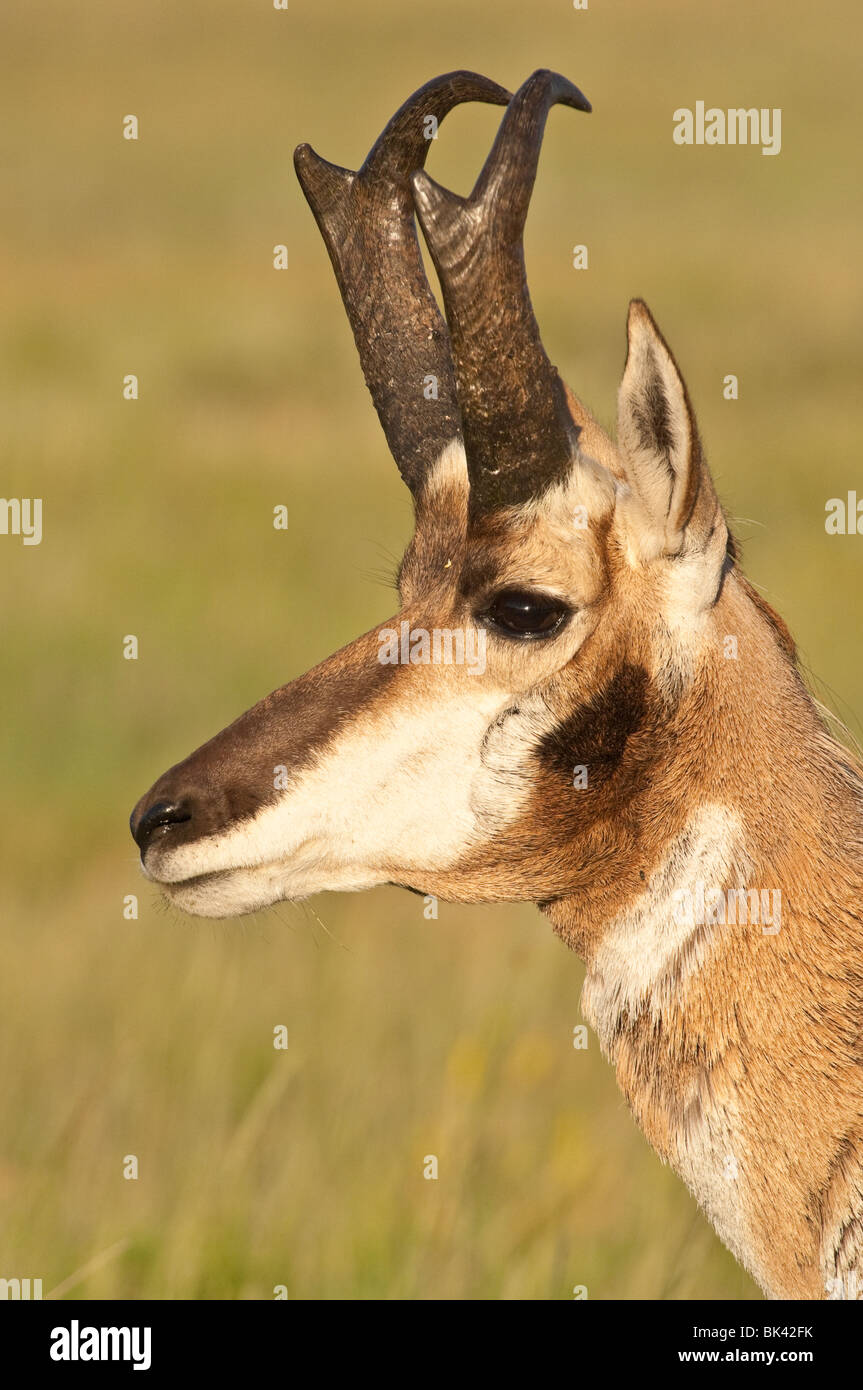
(659, 444)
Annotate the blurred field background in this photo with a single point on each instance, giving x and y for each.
(407, 1037)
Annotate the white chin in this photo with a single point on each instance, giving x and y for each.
(235, 892)
(228, 894)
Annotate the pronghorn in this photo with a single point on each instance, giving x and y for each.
(638, 754)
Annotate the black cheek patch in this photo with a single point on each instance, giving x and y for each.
(597, 735)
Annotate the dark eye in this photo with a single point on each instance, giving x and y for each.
(522, 613)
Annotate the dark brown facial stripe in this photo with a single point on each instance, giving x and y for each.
(232, 776)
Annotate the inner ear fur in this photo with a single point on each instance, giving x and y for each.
(659, 444)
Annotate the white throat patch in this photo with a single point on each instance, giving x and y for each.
(652, 947)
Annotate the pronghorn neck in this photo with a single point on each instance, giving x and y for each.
(719, 780)
(726, 989)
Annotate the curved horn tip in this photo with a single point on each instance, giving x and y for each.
(566, 92)
(403, 144)
(484, 87)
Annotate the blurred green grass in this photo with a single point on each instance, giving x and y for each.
(407, 1037)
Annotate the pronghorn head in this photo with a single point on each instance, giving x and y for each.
(500, 737)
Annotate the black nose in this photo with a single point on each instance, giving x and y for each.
(162, 813)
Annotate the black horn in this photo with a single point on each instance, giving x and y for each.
(519, 432)
(367, 222)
